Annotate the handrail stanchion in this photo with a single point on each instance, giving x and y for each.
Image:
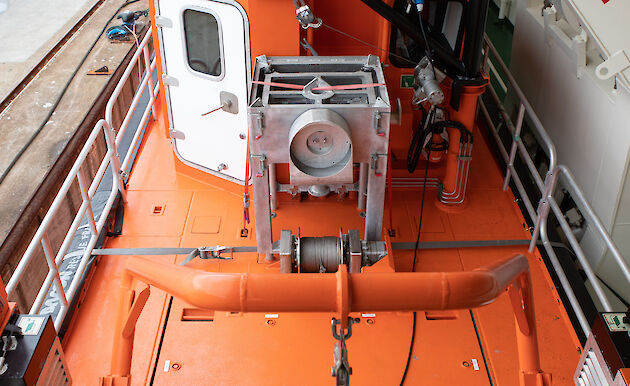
(516, 138)
(117, 172)
(53, 267)
(588, 270)
(147, 66)
(543, 207)
(111, 160)
(547, 189)
(87, 199)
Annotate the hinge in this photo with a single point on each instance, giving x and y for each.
(377, 124)
(262, 164)
(259, 124)
(163, 22)
(615, 64)
(170, 81)
(377, 165)
(176, 134)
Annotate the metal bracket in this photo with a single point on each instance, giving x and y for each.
(176, 134)
(356, 248)
(263, 63)
(205, 253)
(375, 163)
(574, 47)
(259, 124)
(617, 63)
(170, 81)
(262, 164)
(371, 62)
(377, 124)
(396, 119)
(228, 103)
(163, 22)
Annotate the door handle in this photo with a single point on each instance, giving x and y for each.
(228, 102)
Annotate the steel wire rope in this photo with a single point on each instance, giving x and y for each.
(65, 88)
(415, 255)
(367, 44)
(429, 118)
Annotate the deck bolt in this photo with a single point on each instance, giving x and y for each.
(176, 366)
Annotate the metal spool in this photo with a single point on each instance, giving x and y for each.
(320, 254)
(320, 144)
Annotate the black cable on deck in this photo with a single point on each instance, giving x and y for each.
(28, 143)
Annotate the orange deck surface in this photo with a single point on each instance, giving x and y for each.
(297, 349)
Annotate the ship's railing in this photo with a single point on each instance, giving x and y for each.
(546, 186)
(110, 161)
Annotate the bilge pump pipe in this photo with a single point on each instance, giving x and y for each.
(339, 293)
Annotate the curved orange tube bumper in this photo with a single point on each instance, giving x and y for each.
(314, 292)
(340, 293)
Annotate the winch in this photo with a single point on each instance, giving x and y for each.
(328, 119)
(327, 253)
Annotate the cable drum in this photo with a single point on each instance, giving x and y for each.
(320, 143)
(320, 254)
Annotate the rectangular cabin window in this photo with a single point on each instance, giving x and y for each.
(203, 43)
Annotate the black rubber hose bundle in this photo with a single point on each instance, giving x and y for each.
(420, 135)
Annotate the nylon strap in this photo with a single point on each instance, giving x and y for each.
(459, 244)
(161, 251)
(245, 249)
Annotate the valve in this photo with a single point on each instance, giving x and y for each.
(426, 87)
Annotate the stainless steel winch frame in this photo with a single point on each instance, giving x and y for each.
(270, 124)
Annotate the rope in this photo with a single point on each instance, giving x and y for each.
(368, 44)
(322, 88)
(246, 190)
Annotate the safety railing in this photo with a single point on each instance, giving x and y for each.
(547, 186)
(112, 161)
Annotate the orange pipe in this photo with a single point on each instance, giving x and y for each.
(123, 343)
(314, 292)
(526, 337)
(341, 293)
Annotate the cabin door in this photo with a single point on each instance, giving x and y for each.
(206, 65)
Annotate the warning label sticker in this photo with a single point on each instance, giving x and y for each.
(31, 325)
(406, 81)
(615, 321)
(605, 1)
